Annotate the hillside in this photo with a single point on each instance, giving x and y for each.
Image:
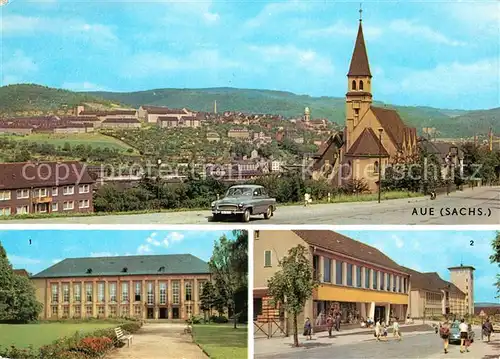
(35, 100)
(32, 100)
(448, 122)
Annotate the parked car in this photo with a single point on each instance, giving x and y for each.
(455, 333)
(244, 201)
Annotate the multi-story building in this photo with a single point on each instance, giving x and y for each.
(45, 187)
(151, 114)
(146, 287)
(432, 296)
(179, 121)
(356, 279)
(121, 123)
(463, 277)
(240, 133)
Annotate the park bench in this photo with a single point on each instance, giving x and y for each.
(123, 337)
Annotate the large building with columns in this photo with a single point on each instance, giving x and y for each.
(356, 279)
(146, 287)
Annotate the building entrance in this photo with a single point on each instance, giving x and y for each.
(150, 313)
(175, 313)
(163, 313)
(380, 314)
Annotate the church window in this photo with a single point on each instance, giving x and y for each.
(361, 84)
(354, 84)
(356, 111)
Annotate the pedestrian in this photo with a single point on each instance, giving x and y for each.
(487, 329)
(337, 322)
(395, 330)
(329, 325)
(444, 332)
(377, 330)
(308, 329)
(384, 331)
(464, 336)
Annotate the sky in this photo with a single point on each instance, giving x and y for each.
(51, 246)
(436, 251)
(430, 53)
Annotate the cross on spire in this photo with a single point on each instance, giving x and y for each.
(360, 12)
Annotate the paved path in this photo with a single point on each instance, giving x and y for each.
(414, 345)
(160, 341)
(478, 206)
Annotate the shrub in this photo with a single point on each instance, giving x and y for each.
(194, 320)
(16, 353)
(131, 327)
(218, 319)
(95, 346)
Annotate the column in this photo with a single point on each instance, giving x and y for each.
(387, 313)
(362, 311)
(144, 298)
(372, 310)
(334, 271)
(344, 273)
(83, 298)
(59, 299)
(196, 302)
(94, 298)
(182, 298)
(370, 277)
(156, 299)
(379, 278)
(397, 284)
(363, 279)
(71, 310)
(169, 298)
(106, 299)
(48, 299)
(131, 298)
(354, 275)
(321, 269)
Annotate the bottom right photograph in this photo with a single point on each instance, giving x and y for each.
(376, 294)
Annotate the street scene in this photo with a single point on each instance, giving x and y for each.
(472, 206)
(123, 294)
(376, 294)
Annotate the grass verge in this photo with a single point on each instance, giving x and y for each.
(222, 341)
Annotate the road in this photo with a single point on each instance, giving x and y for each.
(478, 206)
(412, 346)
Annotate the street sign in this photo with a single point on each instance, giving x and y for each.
(482, 313)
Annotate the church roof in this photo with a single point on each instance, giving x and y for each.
(367, 145)
(359, 61)
(393, 124)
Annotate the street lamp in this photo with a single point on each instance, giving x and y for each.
(379, 163)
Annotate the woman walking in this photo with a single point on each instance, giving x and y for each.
(444, 331)
(308, 329)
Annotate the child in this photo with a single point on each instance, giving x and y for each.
(308, 329)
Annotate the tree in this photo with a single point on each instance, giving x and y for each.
(224, 265)
(293, 284)
(495, 257)
(207, 299)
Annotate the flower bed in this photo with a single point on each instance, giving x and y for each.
(87, 346)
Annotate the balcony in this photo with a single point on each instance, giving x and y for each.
(41, 199)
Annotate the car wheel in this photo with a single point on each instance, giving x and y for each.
(246, 215)
(216, 218)
(269, 212)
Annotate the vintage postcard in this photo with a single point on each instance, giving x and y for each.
(269, 112)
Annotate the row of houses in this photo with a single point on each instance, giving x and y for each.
(357, 280)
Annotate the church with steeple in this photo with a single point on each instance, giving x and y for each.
(371, 133)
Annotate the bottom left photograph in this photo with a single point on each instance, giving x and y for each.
(79, 294)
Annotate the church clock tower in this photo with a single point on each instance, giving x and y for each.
(359, 86)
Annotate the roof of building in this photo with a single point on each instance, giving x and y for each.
(430, 281)
(108, 112)
(126, 265)
(20, 175)
(160, 110)
(367, 145)
(359, 61)
(462, 267)
(121, 120)
(21, 272)
(392, 124)
(336, 242)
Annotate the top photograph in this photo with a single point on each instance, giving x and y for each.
(218, 112)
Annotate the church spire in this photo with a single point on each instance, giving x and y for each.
(359, 61)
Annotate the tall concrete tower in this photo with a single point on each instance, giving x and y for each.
(307, 114)
(463, 278)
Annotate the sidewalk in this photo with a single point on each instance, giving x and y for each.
(282, 345)
(478, 350)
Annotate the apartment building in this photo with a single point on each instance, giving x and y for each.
(144, 287)
(44, 187)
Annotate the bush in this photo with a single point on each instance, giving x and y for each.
(218, 319)
(15, 353)
(195, 320)
(95, 347)
(131, 327)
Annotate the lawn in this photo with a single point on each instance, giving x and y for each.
(36, 335)
(74, 139)
(221, 341)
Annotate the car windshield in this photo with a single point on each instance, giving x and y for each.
(238, 192)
